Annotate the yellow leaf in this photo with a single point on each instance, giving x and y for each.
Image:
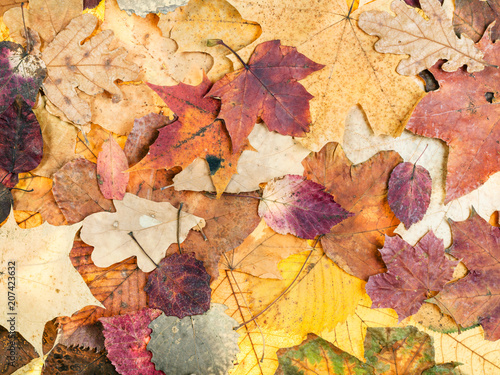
(35, 367)
(89, 145)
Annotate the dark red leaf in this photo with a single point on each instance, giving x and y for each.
(409, 192)
(416, 3)
(179, 286)
(412, 274)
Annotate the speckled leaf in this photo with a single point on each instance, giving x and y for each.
(15, 351)
(6, 202)
(200, 344)
(295, 205)
(409, 192)
(20, 74)
(21, 143)
(126, 337)
(413, 274)
(179, 286)
(111, 162)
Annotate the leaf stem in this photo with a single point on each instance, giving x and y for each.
(131, 234)
(213, 42)
(179, 227)
(28, 44)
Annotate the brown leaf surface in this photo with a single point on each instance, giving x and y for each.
(91, 67)
(77, 193)
(361, 189)
(7, 4)
(472, 17)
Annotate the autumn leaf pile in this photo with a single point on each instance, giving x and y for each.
(249, 187)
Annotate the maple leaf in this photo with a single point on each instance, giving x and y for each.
(179, 286)
(362, 190)
(111, 163)
(472, 17)
(47, 284)
(474, 298)
(197, 133)
(266, 88)
(414, 273)
(90, 67)
(197, 344)
(425, 40)
(21, 144)
(126, 337)
(20, 74)
(409, 192)
(301, 207)
(466, 119)
(153, 226)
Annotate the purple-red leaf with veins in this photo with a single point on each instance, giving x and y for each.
(20, 74)
(180, 286)
(126, 337)
(21, 144)
(413, 274)
(293, 204)
(409, 192)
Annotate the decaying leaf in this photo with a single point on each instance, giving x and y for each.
(266, 88)
(425, 40)
(15, 351)
(472, 18)
(145, 7)
(126, 339)
(179, 286)
(299, 206)
(414, 273)
(47, 284)
(198, 344)
(111, 164)
(152, 224)
(91, 67)
(361, 189)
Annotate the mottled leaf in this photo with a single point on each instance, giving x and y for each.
(409, 192)
(6, 202)
(126, 337)
(20, 74)
(15, 351)
(179, 286)
(266, 88)
(198, 344)
(111, 162)
(472, 18)
(361, 189)
(144, 7)
(414, 273)
(425, 40)
(301, 207)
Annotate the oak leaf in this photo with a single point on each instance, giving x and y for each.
(472, 17)
(299, 206)
(47, 284)
(466, 119)
(111, 163)
(153, 227)
(414, 273)
(354, 74)
(266, 88)
(425, 40)
(91, 67)
(361, 189)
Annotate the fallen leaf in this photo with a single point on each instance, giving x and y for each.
(424, 40)
(76, 191)
(21, 144)
(28, 219)
(6, 201)
(179, 286)
(472, 17)
(47, 283)
(414, 273)
(266, 88)
(354, 74)
(299, 206)
(87, 336)
(466, 119)
(186, 346)
(474, 298)
(7, 4)
(191, 26)
(409, 192)
(361, 189)
(20, 74)
(126, 340)
(91, 67)
(149, 6)
(153, 225)
(15, 351)
(89, 4)
(49, 336)
(89, 144)
(111, 163)
(35, 367)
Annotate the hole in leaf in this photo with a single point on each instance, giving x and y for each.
(213, 163)
(489, 97)
(431, 84)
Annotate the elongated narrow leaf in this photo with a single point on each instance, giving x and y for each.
(111, 162)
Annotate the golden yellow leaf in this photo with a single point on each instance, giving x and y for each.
(35, 367)
(327, 32)
(90, 144)
(27, 219)
(4, 31)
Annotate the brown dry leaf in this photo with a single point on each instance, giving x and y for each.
(89, 145)
(425, 40)
(47, 17)
(59, 140)
(7, 4)
(155, 53)
(354, 74)
(91, 67)
(200, 20)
